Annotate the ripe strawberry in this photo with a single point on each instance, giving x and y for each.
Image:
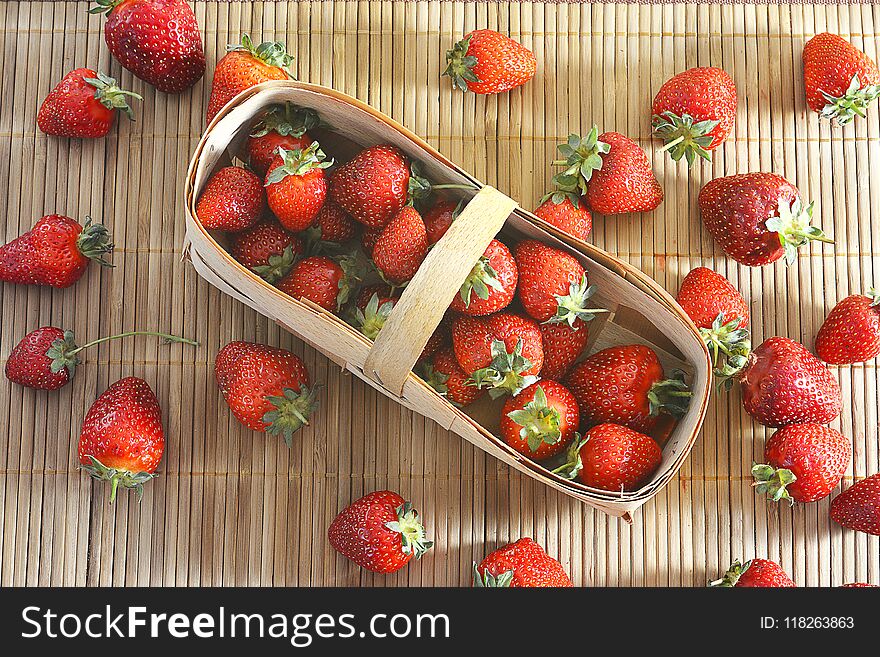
(612, 457)
(370, 319)
(267, 389)
(401, 246)
(625, 181)
(757, 218)
(625, 385)
(487, 62)
(321, 280)
(858, 507)
(520, 565)
(566, 212)
(839, 79)
(784, 383)
(55, 252)
(501, 352)
(233, 199)
(157, 40)
(757, 573)
(83, 104)
(283, 126)
(439, 217)
(245, 66)
(46, 358)
(267, 249)
(851, 332)
(122, 439)
(373, 186)
(380, 532)
(331, 225)
(694, 111)
(804, 462)
(441, 338)
(491, 284)
(562, 344)
(445, 375)
(297, 187)
(541, 420)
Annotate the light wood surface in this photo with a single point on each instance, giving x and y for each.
(231, 507)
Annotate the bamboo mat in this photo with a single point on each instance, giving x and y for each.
(232, 507)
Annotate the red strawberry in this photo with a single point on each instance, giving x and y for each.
(839, 79)
(441, 338)
(46, 358)
(612, 457)
(439, 218)
(233, 199)
(520, 564)
(567, 213)
(55, 252)
(380, 532)
(157, 40)
(267, 389)
(757, 218)
(804, 462)
(368, 239)
(370, 319)
(284, 126)
(297, 187)
(757, 573)
(83, 104)
(625, 181)
(332, 225)
(501, 352)
(626, 385)
(562, 344)
(321, 280)
(858, 507)
(694, 111)
(784, 383)
(487, 62)
(401, 246)
(491, 284)
(851, 332)
(445, 375)
(373, 186)
(541, 420)
(246, 66)
(267, 249)
(122, 439)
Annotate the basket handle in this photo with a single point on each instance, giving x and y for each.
(429, 293)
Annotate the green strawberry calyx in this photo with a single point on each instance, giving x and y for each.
(482, 277)
(105, 6)
(94, 242)
(874, 296)
(277, 267)
(683, 136)
(414, 539)
(355, 268)
(460, 65)
(559, 196)
(110, 95)
(371, 320)
(573, 462)
(287, 120)
(729, 346)
(298, 162)
(486, 580)
(583, 155)
(573, 306)
(539, 421)
(854, 102)
(271, 53)
(731, 577)
(772, 481)
(670, 395)
(504, 376)
(291, 411)
(437, 380)
(118, 477)
(792, 224)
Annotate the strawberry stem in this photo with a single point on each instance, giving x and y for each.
(413, 537)
(684, 136)
(118, 477)
(772, 481)
(539, 422)
(110, 95)
(167, 337)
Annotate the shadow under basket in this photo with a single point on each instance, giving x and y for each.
(640, 311)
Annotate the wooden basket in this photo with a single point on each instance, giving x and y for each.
(641, 311)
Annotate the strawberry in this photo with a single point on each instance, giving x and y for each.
(439, 217)
(296, 186)
(441, 338)
(562, 344)
(233, 199)
(445, 375)
(321, 280)
(487, 62)
(757, 218)
(566, 212)
(382, 292)
(331, 225)
(380, 532)
(612, 457)
(757, 573)
(401, 246)
(491, 284)
(804, 462)
(122, 438)
(83, 104)
(851, 332)
(244, 66)
(373, 186)
(283, 126)
(625, 181)
(626, 385)
(858, 507)
(46, 358)
(157, 40)
(55, 252)
(693, 112)
(370, 319)
(267, 249)
(840, 80)
(783, 383)
(501, 352)
(266, 388)
(368, 239)
(541, 420)
(523, 564)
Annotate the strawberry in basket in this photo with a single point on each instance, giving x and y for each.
(296, 186)
(401, 246)
(491, 284)
(233, 199)
(267, 249)
(283, 126)
(372, 187)
(445, 375)
(567, 212)
(541, 420)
